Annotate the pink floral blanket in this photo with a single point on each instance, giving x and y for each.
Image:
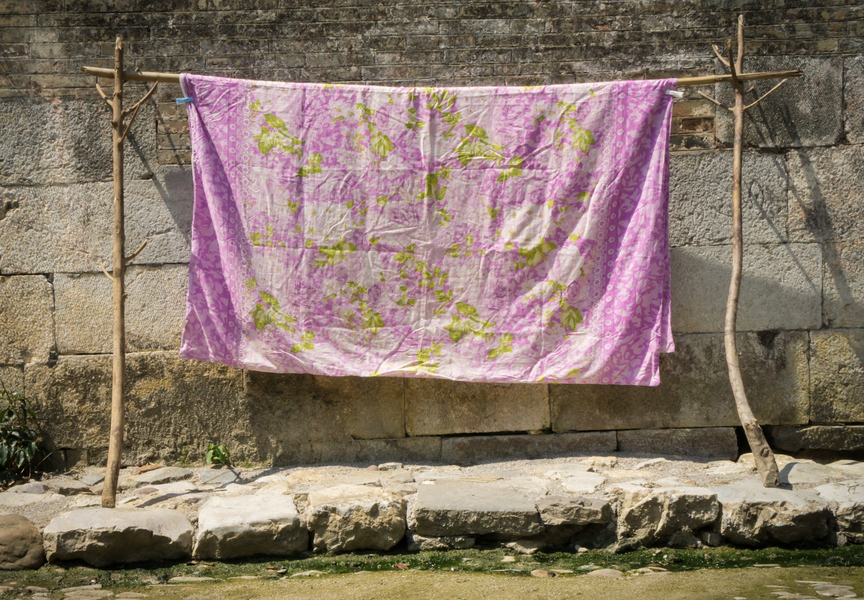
(478, 234)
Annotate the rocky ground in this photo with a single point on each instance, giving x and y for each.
(616, 502)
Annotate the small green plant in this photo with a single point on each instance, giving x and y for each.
(217, 454)
(21, 448)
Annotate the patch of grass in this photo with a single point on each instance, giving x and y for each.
(475, 560)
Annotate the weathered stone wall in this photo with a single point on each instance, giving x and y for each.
(802, 304)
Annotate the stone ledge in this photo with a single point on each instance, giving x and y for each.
(476, 449)
(838, 438)
(717, 442)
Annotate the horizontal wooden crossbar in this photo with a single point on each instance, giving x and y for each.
(684, 81)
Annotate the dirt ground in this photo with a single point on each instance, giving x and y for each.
(726, 584)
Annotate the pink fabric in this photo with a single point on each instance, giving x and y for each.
(477, 234)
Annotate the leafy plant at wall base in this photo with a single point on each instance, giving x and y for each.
(21, 447)
(217, 454)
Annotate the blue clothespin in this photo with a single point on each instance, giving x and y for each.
(185, 100)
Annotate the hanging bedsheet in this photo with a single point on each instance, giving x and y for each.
(494, 234)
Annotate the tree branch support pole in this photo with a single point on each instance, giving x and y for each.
(117, 276)
(762, 454)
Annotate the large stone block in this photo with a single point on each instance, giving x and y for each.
(807, 111)
(781, 288)
(837, 376)
(700, 198)
(449, 508)
(475, 449)
(826, 194)
(155, 310)
(104, 536)
(13, 378)
(174, 407)
(287, 413)
(853, 94)
(843, 284)
(47, 142)
(719, 442)
(241, 526)
(406, 449)
(355, 517)
(442, 407)
(26, 319)
(694, 388)
(68, 228)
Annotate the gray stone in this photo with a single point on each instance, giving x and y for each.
(854, 467)
(218, 477)
(69, 228)
(449, 508)
(853, 94)
(837, 376)
(103, 536)
(164, 420)
(694, 388)
(527, 546)
(700, 198)
(720, 442)
(664, 516)
(33, 487)
(155, 310)
(574, 511)
(839, 438)
(66, 486)
(333, 410)
(843, 284)
(157, 476)
(781, 288)
(806, 472)
(849, 510)
(354, 517)
(476, 449)
(26, 320)
(564, 517)
(190, 579)
(91, 480)
(242, 526)
(419, 543)
(442, 407)
(807, 111)
(73, 143)
(20, 544)
(823, 186)
(753, 515)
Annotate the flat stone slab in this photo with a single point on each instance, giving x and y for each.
(248, 525)
(66, 486)
(665, 516)
(163, 475)
(92, 480)
(583, 483)
(218, 477)
(753, 515)
(103, 536)
(34, 487)
(13, 500)
(448, 508)
(811, 473)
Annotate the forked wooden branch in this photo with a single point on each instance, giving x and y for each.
(762, 454)
(102, 93)
(720, 56)
(712, 100)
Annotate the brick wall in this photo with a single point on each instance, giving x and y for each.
(802, 305)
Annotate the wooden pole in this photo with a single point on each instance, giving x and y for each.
(118, 379)
(762, 454)
(684, 81)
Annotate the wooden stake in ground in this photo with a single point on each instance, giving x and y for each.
(117, 276)
(762, 454)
